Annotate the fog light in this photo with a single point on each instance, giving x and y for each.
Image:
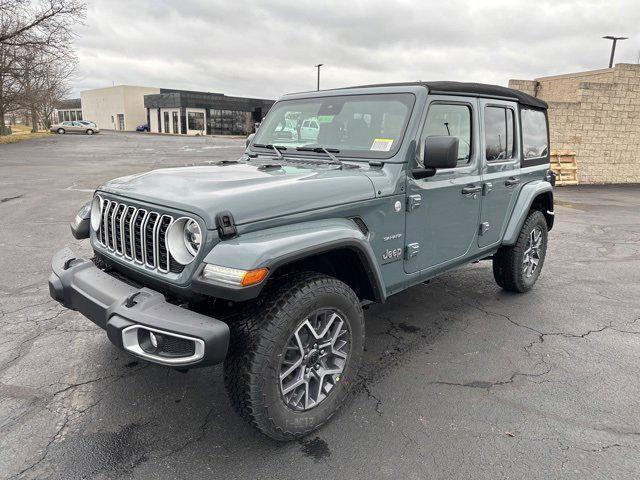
(149, 341)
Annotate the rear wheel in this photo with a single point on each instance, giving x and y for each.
(61, 131)
(517, 267)
(293, 360)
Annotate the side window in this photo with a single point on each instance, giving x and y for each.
(305, 124)
(498, 133)
(449, 119)
(534, 133)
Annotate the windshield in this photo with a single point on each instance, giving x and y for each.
(353, 125)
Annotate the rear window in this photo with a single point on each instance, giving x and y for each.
(535, 139)
(498, 133)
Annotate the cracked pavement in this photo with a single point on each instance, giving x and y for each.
(461, 379)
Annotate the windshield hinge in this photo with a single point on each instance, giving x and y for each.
(413, 202)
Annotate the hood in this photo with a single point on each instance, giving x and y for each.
(247, 191)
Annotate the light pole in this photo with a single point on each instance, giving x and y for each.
(613, 46)
(318, 67)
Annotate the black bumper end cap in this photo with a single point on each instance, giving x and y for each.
(80, 230)
(115, 325)
(55, 288)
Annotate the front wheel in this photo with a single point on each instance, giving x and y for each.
(293, 360)
(517, 267)
(89, 132)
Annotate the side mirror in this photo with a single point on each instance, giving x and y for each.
(440, 151)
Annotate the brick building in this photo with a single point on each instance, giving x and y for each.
(597, 115)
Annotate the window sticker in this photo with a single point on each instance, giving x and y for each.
(381, 145)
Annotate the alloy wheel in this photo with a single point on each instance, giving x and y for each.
(531, 258)
(314, 359)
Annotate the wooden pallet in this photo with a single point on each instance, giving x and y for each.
(563, 164)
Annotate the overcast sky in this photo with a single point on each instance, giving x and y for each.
(269, 47)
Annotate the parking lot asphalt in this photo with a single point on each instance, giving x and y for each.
(461, 379)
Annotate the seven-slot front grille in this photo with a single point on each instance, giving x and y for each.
(138, 235)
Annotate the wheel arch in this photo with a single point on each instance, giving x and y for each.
(334, 247)
(345, 261)
(536, 195)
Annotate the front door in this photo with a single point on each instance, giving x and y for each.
(443, 210)
(176, 128)
(166, 122)
(500, 168)
(121, 121)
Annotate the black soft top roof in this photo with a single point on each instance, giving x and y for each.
(472, 89)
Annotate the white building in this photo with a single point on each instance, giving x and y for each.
(116, 108)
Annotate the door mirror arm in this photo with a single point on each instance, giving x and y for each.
(419, 173)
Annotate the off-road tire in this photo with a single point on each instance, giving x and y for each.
(60, 131)
(508, 261)
(251, 368)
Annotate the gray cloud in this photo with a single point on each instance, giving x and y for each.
(268, 48)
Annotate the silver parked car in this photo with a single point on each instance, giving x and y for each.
(74, 127)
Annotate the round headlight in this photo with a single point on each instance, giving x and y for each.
(96, 212)
(192, 236)
(184, 240)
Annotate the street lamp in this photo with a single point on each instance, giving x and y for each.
(613, 46)
(318, 67)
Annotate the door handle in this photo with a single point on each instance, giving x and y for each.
(512, 181)
(471, 189)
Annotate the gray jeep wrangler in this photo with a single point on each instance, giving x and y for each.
(342, 198)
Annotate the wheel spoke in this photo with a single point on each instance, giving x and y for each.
(328, 325)
(291, 369)
(293, 385)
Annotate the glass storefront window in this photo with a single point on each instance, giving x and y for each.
(73, 115)
(195, 121)
(66, 115)
(231, 122)
(79, 114)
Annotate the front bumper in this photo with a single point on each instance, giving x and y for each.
(127, 313)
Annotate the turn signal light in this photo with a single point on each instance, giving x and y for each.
(254, 276)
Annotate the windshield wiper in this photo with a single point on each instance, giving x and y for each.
(320, 149)
(275, 148)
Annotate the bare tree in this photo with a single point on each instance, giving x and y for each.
(43, 23)
(36, 58)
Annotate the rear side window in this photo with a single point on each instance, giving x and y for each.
(535, 140)
(498, 133)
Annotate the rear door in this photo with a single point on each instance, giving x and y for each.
(443, 210)
(500, 167)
